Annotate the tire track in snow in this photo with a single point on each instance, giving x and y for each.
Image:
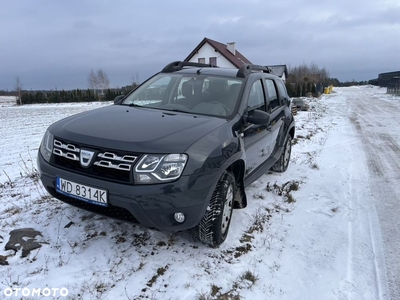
(366, 276)
(377, 125)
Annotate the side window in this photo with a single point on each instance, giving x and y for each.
(154, 91)
(272, 96)
(282, 89)
(256, 97)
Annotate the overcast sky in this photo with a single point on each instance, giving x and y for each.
(54, 44)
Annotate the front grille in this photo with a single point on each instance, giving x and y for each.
(106, 164)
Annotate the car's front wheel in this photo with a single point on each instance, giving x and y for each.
(283, 162)
(214, 226)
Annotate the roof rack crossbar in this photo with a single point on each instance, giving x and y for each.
(179, 65)
(246, 69)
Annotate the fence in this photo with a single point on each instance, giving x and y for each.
(394, 86)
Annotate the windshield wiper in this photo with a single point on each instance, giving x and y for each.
(134, 105)
(176, 110)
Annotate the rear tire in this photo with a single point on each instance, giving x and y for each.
(283, 162)
(214, 226)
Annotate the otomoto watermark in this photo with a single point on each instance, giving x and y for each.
(36, 292)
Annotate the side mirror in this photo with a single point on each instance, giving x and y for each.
(258, 117)
(118, 99)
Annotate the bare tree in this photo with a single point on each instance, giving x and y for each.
(103, 80)
(98, 80)
(135, 79)
(311, 73)
(92, 81)
(18, 89)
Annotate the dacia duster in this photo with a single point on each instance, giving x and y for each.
(177, 152)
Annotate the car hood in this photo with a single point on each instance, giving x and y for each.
(134, 129)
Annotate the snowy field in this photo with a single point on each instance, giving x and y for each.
(312, 232)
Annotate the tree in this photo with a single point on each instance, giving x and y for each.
(135, 80)
(98, 81)
(306, 77)
(18, 89)
(92, 81)
(102, 80)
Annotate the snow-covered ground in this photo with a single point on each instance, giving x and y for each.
(317, 237)
(7, 100)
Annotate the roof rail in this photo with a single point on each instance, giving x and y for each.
(247, 69)
(178, 65)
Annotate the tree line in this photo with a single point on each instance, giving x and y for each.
(78, 95)
(307, 80)
(60, 96)
(98, 90)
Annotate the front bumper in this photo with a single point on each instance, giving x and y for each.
(150, 205)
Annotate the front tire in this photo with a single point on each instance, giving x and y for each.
(283, 162)
(214, 226)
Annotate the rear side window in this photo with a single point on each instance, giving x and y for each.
(272, 96)
(282, 89)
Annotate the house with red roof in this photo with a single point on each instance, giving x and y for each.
(226, 56)
(217, 54)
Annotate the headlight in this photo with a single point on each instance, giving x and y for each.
(157, 168)
(46, 147)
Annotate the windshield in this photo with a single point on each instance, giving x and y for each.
(198, 94)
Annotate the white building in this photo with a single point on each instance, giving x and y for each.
(226, 56)
(217, 54)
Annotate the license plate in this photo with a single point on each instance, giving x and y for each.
(81, 192)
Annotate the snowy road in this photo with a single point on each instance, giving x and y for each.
(377, 122)
(351, 234)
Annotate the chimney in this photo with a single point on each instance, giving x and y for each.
(231, 47)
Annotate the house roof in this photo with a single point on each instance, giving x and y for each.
(237, 60)
(279, 70)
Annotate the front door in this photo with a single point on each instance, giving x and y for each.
(256, 137)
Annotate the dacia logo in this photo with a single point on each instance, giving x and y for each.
(86, 157)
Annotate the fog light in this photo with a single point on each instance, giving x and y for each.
(179, 217)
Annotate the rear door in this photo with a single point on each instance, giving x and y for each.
(276, 110)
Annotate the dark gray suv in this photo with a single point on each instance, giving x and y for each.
(177, 152)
